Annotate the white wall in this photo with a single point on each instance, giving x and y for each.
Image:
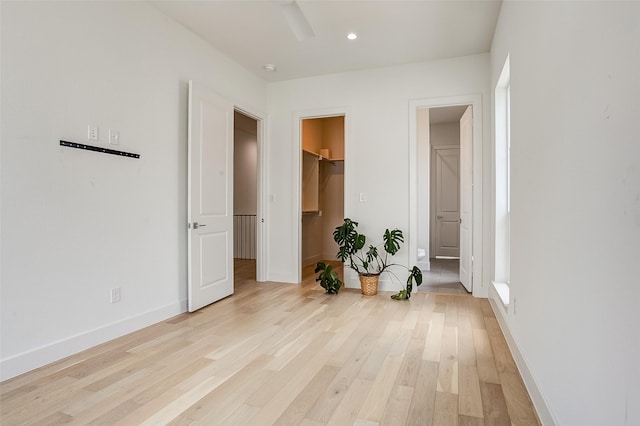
(445, 134)
(377, 140)
(575, 221)
(77, 223)
(245, 165)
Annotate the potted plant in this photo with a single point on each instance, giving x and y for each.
(368, 261)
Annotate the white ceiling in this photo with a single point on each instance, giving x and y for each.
(391, 32)
(443, 115)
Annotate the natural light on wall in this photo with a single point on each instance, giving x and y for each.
(503, 184)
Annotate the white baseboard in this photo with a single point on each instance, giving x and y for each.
(542, 408)
(283, 277)
(46, 354)
(424, 265)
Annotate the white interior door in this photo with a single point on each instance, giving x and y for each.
(210, 197)
(447, 202)
(466, 180)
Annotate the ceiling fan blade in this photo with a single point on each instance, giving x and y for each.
(297, 21)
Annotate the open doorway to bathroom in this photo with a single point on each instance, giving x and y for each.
(470, 190)
(443, 125)
(444, 195)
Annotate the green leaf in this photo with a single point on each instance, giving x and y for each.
(372, 253)
(392, 240)
(416, 273)
(401, 295)
(329, 279)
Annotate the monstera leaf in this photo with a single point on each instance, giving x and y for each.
(329, 279)
(392, 240)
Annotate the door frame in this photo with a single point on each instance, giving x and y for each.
(475, 100)
(261, 189)
(298, 116)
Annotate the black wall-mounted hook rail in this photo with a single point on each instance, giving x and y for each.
(99, 149)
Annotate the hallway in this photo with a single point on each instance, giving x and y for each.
(443, 277)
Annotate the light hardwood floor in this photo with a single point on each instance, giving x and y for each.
(289, 354)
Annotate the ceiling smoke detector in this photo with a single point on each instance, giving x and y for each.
(269, 67)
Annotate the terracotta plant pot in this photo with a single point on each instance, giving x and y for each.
(369, 284)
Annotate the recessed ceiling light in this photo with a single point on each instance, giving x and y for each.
(269, 67)
(352, 36)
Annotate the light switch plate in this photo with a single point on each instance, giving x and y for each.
(114, 137)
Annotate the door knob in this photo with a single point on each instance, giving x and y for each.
(196, 225)
(439, 217)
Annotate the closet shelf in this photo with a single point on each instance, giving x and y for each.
(320, 157)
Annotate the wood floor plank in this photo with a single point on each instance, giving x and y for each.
(56, 418)
(107, 400)
(501, 354)
(280, 379)
(300, 406)
(115, 414)
(517, 399)
(408, 374)
(446, 409)
(433, 345)
(469, 397)
(470, 421)
(225, 398)
(281, 400)
(184, 401)
(422, 406)
(289, 354)
(485, 362)
(448, 365)
(374, 405)
(240, 416)
(475, 314)
(466, 348)
(347, 411)
(494, 406)
(331, 397)
(397, 408)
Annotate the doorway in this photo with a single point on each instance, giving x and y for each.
(322, 187)
(444, 191)
(423, 217)
(245, 194)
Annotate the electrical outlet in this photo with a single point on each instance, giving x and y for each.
(92, 133)
(115, 294)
